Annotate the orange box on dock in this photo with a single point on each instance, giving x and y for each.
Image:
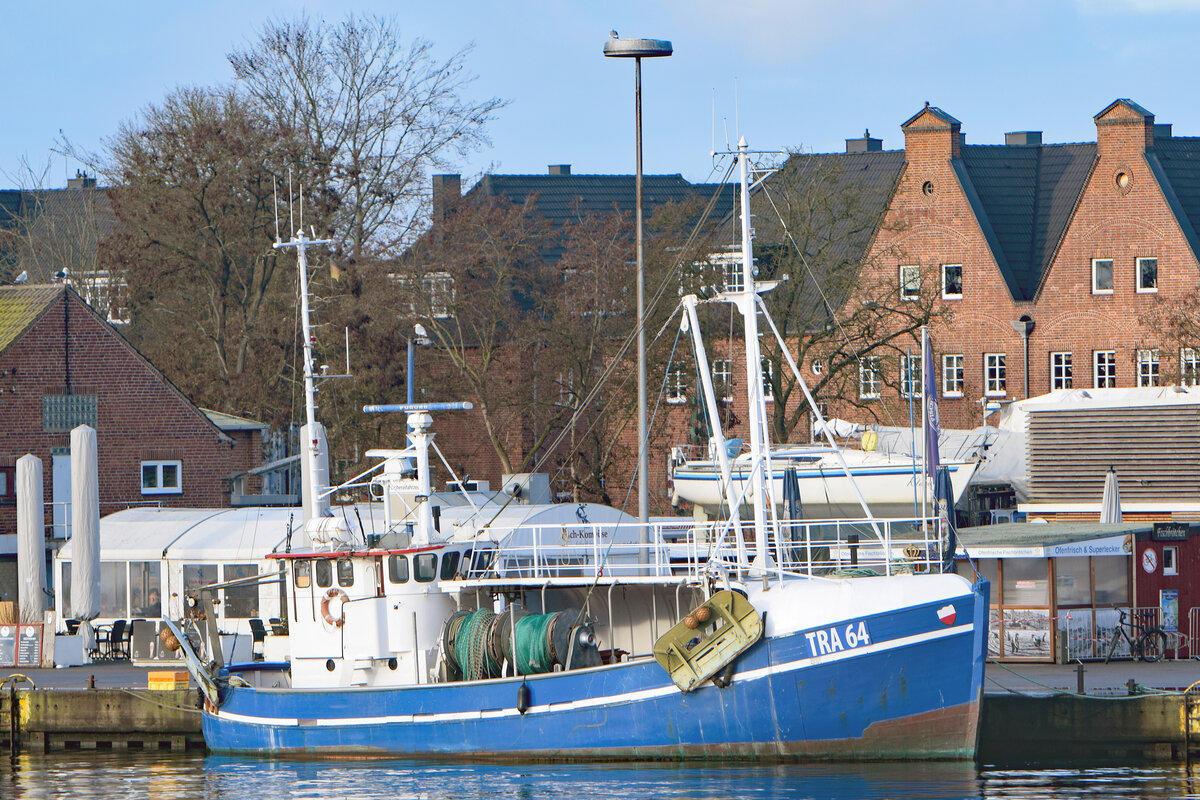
(168, 680)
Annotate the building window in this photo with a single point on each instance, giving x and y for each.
(722, 376)
(768, 373)
(8, 483)
(910, 376)
(677, 386)
(1060, 371)
(1105, 369)
(952, 281)
(1147, 275)
(1147, 368)
(868, 378)
(995, 375)
(952, 376)
(1189, 366)
(1102, 276)
(162, 477)
(910, 282)
(65, 412)
(732, 268)
(1170, 560)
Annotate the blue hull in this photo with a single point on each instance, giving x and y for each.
(912, 691)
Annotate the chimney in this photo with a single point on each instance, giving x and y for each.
(1124, 130)
(447, 191)
(864, 145)
(932, 133)
(1162, 130)
(560, 169)
(1022, 138)
(81, 181)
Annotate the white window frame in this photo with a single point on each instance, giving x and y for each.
(946, 293)
(768, 370)
(158, 486)
(953, 375)
(1096, 288)
(910, 281)
(1062, 372)
(677, 386)
(1142, 289)
(869, 378)
(1170, 560)
(1189, 366)
(1149, 370)
(910, 376)
(1104, 369)
(722, 378)
(995, 374)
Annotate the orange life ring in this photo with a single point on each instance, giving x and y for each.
(329, 618)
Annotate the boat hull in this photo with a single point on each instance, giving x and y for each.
(909, 688)
(891, 490)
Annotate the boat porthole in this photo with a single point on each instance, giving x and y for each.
(392, 664)
(329, 665)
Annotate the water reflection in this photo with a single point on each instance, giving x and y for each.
(119, 776)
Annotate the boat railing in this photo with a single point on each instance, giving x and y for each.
(688, 550)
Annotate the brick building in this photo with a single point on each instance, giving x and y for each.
(62, 365)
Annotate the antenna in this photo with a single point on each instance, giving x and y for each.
(291, 216)
(347, 349)
(275, 191)
(302, 206)
(713, 150)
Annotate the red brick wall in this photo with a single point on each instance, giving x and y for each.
(140, 415)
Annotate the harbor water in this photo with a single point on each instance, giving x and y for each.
(125, 776)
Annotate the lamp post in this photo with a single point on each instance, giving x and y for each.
(637, 49)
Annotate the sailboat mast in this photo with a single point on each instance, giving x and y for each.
(759, 478)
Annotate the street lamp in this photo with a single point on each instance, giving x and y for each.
(637, 49)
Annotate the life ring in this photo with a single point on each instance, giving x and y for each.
(340, 620)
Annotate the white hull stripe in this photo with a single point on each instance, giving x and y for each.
(593, 702)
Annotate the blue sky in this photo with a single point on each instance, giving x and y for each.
(785, 73)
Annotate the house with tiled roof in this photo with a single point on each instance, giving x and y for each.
(63, 365)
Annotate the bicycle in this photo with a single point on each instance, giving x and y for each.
(1147, 644)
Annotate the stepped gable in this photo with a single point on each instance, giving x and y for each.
(1023, 197)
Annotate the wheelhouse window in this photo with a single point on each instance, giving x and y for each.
(398, 569)
(425, 567)
(1104, 369)
(1147, 275)
(1148, 368)
(1102, 276)
(910, 282)
(450, 565)
(952, 376)
(324, 570)
(1060, 371)
(345, 572)
(869, 380)
(1189, 366)
(910, 376)
(302, 574)
(995, 375)
(952, 288)
(162, 477)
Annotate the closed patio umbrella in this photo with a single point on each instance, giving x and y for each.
(1110, 505)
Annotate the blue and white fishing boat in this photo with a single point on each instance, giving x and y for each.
(474, 625)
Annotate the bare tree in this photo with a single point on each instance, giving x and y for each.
(377, 115)
(194, 198)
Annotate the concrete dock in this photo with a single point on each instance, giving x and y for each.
(1128, 712)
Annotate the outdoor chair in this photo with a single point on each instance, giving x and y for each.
(259, 633)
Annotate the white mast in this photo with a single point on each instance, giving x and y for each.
(313, 488)
(759, 477)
